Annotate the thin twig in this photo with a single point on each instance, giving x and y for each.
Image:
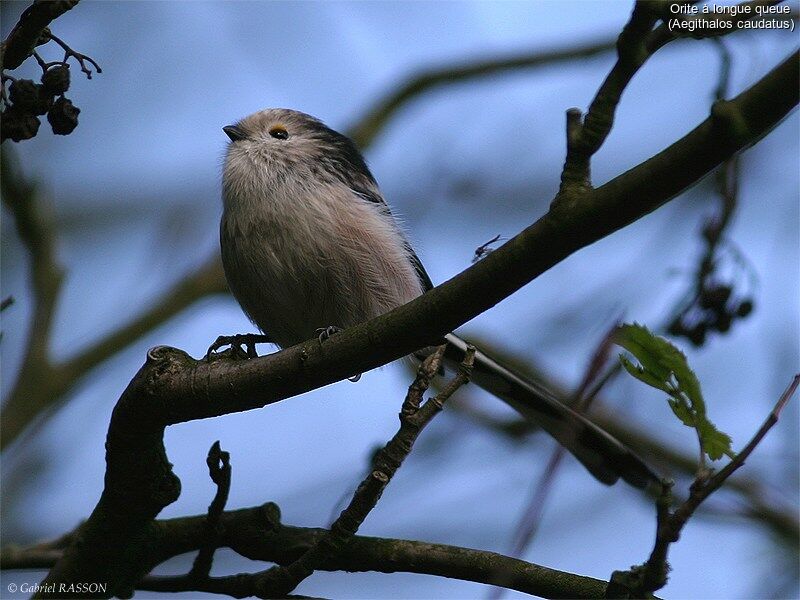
(81, 58)
(37, 377)
(719, 478)
(653, 574)
(637, 42)
(279, 581)
(219, 469)
(585, 138)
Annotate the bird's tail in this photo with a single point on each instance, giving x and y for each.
(603, 455)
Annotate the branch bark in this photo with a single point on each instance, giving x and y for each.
(257, 533)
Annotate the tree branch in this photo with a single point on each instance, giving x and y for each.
(368, 126)
(780, 521)
(585, 138)
(256, 533)
(219, 469)
(42, 383)
(22, 40)
(37, 378)
(637, 42)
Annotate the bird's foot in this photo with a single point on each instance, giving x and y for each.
(327, 332)
(324, 334)
(243, 345)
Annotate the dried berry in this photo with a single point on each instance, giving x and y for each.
(677, 327)
(30, 97)
(715, 297)
(19, 125)
(63, 116)
(723, 322)
(697, 335)
(24, 94)
(745, 308)
(56, 80)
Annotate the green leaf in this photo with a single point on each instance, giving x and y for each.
(642, 375)
(715, 442)
(665, 368)
(649, 349)
(683, 411)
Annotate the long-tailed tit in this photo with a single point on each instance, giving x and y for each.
(308, 242)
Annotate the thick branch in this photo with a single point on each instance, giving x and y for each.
(256, 533)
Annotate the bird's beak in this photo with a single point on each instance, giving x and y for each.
(234, 132)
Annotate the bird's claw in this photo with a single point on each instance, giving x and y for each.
(243, 345)
(324, 334)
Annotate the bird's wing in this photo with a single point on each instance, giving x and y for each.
(375, 197)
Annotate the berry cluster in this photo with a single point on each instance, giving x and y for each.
(713, 309)
(28, 100)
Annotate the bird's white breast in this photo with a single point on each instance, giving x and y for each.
(300, 253)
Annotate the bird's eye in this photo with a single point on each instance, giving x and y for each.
(279, 133)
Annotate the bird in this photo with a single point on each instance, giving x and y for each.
(309, 246)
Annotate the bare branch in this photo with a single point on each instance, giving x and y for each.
(25, 404)
(581, 401)
(584, 139)
(714, 483)
(37, 377)
(219, 469)
(257, 534)
(637, 42)
(368, 126)
(26, 33)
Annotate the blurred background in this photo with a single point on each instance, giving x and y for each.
(135, 199)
